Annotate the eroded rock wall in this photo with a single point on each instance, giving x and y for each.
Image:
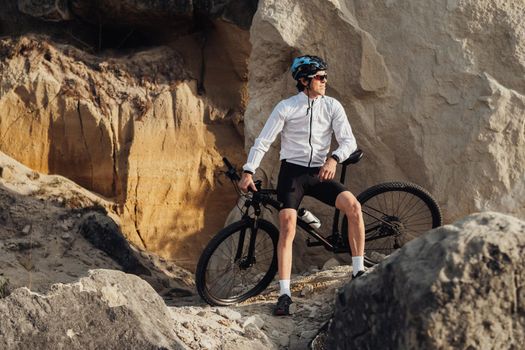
(433, 91)
(131, 128)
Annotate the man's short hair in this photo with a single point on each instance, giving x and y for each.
(300, 86)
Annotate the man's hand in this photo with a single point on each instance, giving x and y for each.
(327, 171)
(247, 182)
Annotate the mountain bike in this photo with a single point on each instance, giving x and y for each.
(240, 261)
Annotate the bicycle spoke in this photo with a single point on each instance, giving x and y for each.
(421, 215)
(402, 202)
(229, 257)
(225, 285)
(406, 212)
(221, 286)
(219, 277)
(219, 270)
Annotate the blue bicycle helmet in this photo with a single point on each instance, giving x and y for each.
(304, 66)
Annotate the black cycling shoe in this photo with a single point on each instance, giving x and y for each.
(358, 274)
(284, 307)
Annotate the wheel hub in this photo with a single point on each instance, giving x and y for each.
(245, 263)
(393, 228)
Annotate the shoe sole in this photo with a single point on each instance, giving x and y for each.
(291, 310)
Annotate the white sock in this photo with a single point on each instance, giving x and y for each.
(285, 287)
(358, 264)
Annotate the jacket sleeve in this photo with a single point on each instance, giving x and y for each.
(343, 133)
(272, 128)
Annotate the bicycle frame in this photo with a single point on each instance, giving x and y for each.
(263, 196)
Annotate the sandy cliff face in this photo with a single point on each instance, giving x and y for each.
(433, 90)
(132, 128)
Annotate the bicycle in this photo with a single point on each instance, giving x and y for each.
(241, 260)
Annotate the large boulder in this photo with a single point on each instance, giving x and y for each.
(109, 309)
(460, 286)
(113, 310)
(433, 91)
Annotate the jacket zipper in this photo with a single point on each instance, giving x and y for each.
(310, 137)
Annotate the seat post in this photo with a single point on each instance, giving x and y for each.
(343, 174)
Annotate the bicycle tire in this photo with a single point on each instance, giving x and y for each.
(405, 204)
(260, 274)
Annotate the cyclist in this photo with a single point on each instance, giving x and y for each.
(306, 122)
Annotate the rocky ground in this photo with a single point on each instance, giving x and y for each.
(314, 293)
(46, 248)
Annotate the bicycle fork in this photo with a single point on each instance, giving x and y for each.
(248, 260)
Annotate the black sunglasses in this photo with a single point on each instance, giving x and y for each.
(320, 77)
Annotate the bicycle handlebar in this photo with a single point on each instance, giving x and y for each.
(262, 194)
(231, 173)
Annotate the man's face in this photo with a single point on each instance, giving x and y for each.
(318, 84)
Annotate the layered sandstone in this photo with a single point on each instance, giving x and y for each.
(131, 128)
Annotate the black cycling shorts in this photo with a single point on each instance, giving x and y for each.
(296, 181)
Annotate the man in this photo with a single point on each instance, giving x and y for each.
(306, 122)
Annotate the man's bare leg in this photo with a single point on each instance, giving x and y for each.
(348, 204)
(287, 223)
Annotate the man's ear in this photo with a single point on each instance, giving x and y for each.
(303, 81)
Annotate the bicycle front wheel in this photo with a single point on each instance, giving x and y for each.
(394, 214)
(238, 263)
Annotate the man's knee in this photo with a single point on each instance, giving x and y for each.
(287, 221)
(348, 204)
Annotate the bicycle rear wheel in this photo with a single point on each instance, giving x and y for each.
(394, 214)
(227, 273)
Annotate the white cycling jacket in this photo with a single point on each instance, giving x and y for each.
(306, 127)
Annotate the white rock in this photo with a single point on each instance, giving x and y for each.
(313, 269)
(26, 229)
(207, 343)
(307, 290)
(332, 262)
(284, 340)
(308, 334)
(314, 313)
(229, 314)
(255, 320)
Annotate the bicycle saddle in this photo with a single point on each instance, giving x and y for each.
(354, 157)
